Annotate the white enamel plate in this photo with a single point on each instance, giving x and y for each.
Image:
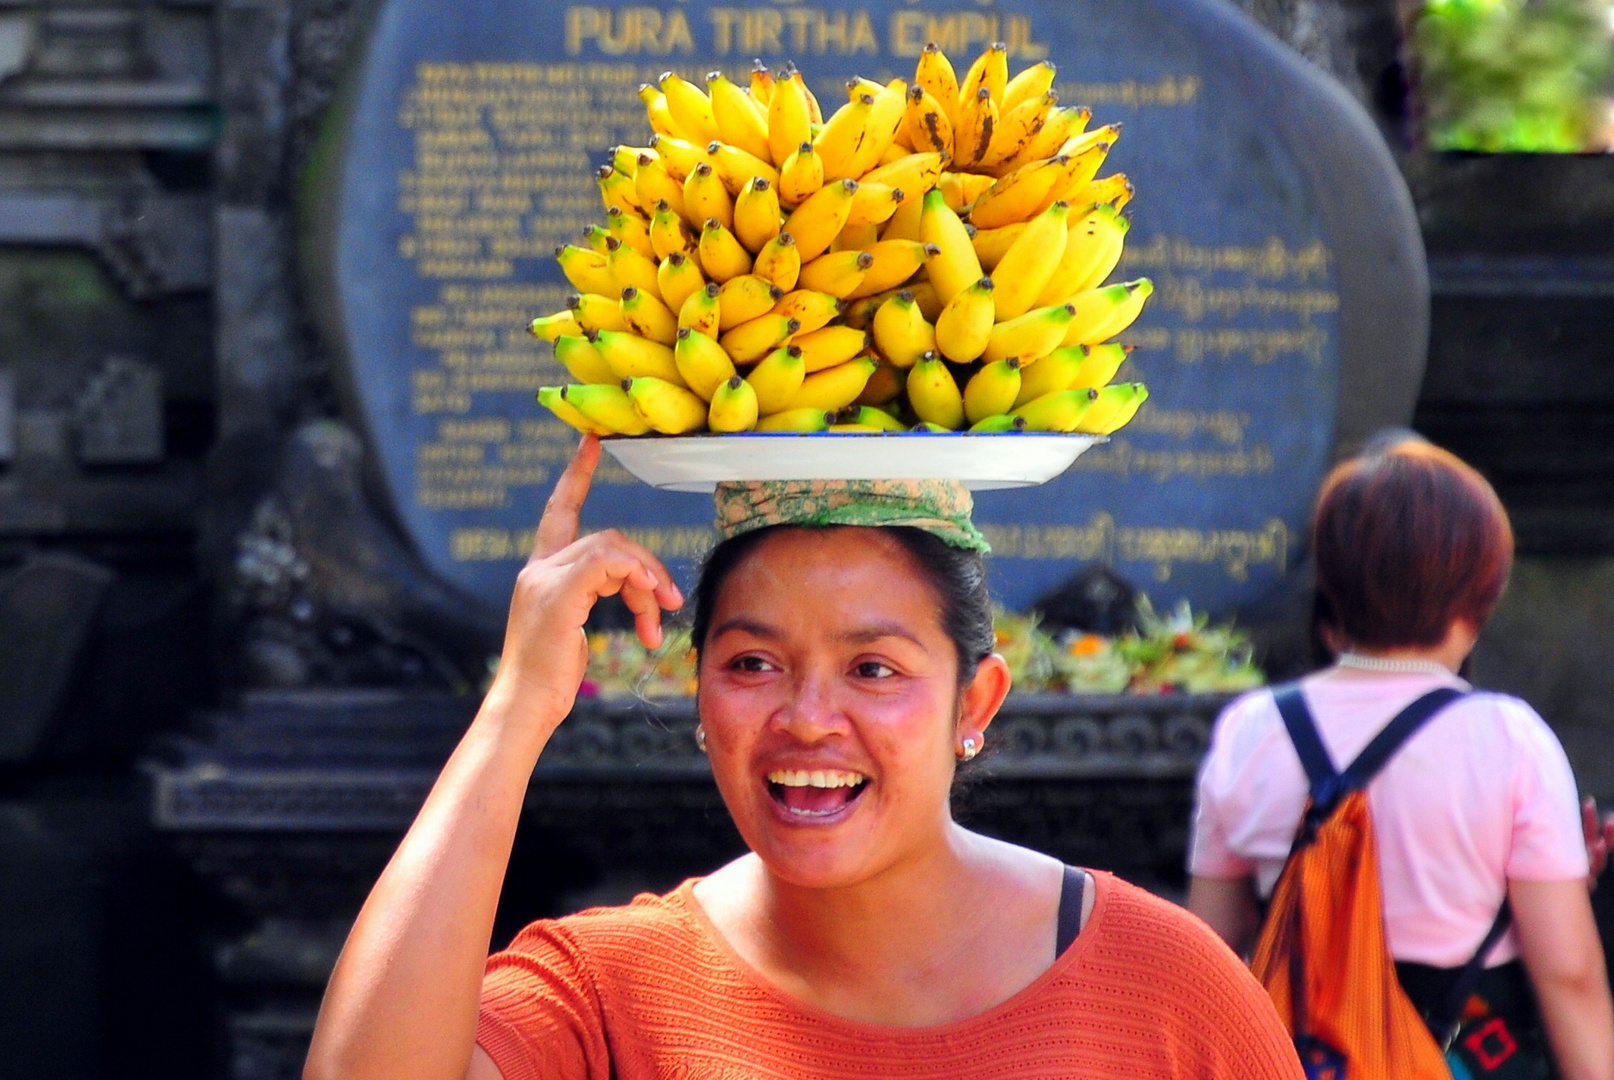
(982, 462)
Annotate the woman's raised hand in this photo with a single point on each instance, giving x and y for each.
(545, 651)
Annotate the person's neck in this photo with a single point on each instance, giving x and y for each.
(1449, 652)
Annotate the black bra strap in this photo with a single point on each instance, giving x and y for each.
(1070, 909)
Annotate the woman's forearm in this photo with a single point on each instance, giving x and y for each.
(1559, 944)
(402, 1002)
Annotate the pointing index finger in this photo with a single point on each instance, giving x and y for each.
(558, 527)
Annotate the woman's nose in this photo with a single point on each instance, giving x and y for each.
(813, 712)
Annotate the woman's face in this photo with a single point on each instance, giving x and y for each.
(829, 695)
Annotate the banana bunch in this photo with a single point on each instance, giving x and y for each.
(929, 256)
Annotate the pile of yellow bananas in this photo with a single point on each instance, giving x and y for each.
(764, 268)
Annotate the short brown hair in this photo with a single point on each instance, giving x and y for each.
(1407, 540)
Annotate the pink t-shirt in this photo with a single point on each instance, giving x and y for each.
(1479, 795)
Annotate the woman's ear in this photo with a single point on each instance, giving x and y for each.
(983, 695)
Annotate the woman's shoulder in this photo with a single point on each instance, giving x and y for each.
(648, 927)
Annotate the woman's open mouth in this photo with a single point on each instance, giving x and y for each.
(815, 794)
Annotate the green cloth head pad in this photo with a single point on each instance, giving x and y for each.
(939, 507)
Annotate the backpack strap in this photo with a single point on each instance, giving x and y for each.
(1444, 1025)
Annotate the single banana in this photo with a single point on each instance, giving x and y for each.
(885, 118)
(618, 189)
(989, 72)
(679, 156)
(626, 158)
(655, 107)
(722, 256)
(586, 270)
(977, 123)
(583, 361)
(1019, 195)
(926, 125)
(1100, 365)
(1030, 336)
(746, 297)
(873, 204)
(756, 213)
(1092, 250)
(1079, 171)
(1059, 411)
(801, 174)
(815, 113)
(629, 356)
(740, 120)
(925, 427)
(628, 267)
(1104, 312)
(706, 197)
(965, 325)
(606, 405)
(962, 189)
(779, 261)
(550, 398)
(991, 390)
(1028, 265)
(855, 237)
(812, 309)
(789, 119)
(761, 86)
(842, 136)
(1056, 371)
(631, 229)
(934, 395)
(653, 184)
(595, 236)
(833, 388)
(901, 333)
(736, 167)
(836, 273)
(820, 216)
(667, 407)
(1017, 127)
(595, 312)
(952, 265)
(1000, 424)
(1114, 191)
(797, 420)
(669, 232)
(1112, 407)
(934, 72)
(1062, 125)
(691, 109)
(904, 224)
(678, 278)
(550, 327)
(912, 174)
(776, 378)
(992, 244)
(751, 341)
(701, 361)
(868, 416)
(701, 312)
(894, 262)
(648, 317)
(1033, 82)
(733, 408)
(829, 346)
(884, 387)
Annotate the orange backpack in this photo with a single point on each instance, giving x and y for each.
(1322, 954)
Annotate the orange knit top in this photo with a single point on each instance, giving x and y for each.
(651, 992)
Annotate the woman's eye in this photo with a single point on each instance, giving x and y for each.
(873, 669)
(750, 664)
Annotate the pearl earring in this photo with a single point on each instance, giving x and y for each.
(700, 737)
(971, 748)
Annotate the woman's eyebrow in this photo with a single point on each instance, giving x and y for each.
(747, 626)
(873, 632)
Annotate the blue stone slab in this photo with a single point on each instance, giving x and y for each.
(1290, 315)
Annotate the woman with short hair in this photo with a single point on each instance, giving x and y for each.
(1413, 551)
(845, 669)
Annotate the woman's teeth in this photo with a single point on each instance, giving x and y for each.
(818, 778)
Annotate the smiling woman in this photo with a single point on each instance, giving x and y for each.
(845, 636)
